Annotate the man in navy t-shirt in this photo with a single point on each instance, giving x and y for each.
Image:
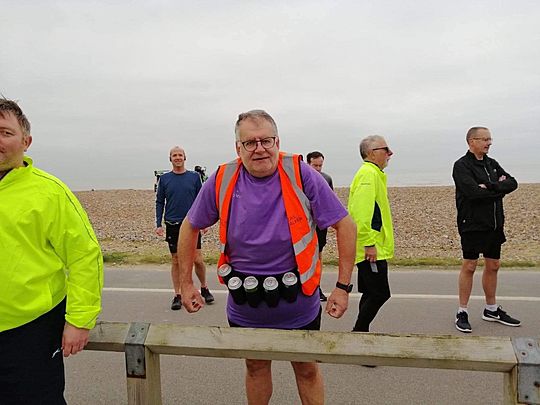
(176, 192)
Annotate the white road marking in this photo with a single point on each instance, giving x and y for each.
(353, 295)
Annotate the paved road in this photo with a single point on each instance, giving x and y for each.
(423, 301)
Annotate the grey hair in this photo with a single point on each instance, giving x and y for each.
(10, 106)
(472, 132)
(366, 144)
(254, 115)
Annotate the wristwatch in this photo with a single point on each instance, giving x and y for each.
(345, 287)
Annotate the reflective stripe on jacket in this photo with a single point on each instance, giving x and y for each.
(297, 208)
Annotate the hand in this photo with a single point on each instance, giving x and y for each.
(482, 186)
(337, 303)
(74, 339)
(191, 298)
(370, 253)
(159, 231)
(502, 178)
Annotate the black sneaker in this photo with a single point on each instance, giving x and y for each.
(176, 303)
(322, 297)
(462, 322)
(207, 295)
(499, 316)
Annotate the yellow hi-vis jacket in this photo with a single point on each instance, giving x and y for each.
(47, 250)
(369, 207)
(297, 208)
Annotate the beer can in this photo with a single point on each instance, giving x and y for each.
(251, 288)
(235, 289)
(271, 291)
(290, 286)
(225, 272)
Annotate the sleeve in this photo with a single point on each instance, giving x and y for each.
(506, 186)
(160, 202)
(361, 206)
(468, 186)
(75, 242)
(204, 213)
(326, 207)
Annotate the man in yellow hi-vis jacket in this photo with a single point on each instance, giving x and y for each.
(51, 271)
(370, 209)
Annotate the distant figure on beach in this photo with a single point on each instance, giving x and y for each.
(316, 160)
(370, 209)
(481, 183)
(176, 192)
(268, 203)
(51, 271)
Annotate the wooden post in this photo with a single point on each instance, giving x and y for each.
(147, 390)
(142, 368)
(510, 387)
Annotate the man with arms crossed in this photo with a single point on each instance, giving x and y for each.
(370, 209)
(176, 192)
(268, 203)
(481, 183)
(51, 271)
(316, 160)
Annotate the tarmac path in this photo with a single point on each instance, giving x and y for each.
(423, 301)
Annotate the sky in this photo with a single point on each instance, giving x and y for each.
(111, 86)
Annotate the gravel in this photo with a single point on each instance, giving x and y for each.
(424, 222)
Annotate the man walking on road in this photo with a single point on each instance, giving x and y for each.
(316, 160)
(176, 192)
(370, 209)
(268, 203)
(51, 271)
(481, 183)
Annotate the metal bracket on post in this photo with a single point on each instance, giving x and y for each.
(134, 349)
(528, 357)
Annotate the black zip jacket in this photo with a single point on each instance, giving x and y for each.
(480, 209)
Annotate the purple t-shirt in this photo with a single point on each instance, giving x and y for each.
(259, 240)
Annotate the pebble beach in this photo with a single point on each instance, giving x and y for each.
(424, 223)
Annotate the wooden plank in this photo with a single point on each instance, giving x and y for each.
(108, 336)
(477, 353)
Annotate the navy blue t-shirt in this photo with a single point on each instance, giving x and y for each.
(175, 195)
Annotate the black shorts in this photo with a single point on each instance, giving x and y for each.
(321, 236)
(486, 242)
(313, 325)
(171, 236)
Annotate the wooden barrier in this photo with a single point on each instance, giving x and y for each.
(518, 358)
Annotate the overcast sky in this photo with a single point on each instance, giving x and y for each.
(109, 87)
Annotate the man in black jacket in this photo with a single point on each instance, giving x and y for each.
(481, 183)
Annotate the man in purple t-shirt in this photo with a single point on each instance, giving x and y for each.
(259, 244)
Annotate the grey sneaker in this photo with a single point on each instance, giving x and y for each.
(176, 303)
(207, 295)
(462, 322)
(500, 316)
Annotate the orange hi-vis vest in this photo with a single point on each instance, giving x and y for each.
(297, 208)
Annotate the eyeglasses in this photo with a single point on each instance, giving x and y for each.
(484, 139)
(266, 143)
(386, 148)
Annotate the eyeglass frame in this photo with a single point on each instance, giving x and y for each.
(484, 139)
(386, 148)
(257, 142)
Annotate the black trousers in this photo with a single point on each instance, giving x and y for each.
(29, 373)
(375, 292)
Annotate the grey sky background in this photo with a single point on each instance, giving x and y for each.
(109, 87)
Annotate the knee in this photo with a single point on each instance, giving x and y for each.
(174, 259)
(492, 265)
(469, 266)
(306, 371)
(258, 368)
